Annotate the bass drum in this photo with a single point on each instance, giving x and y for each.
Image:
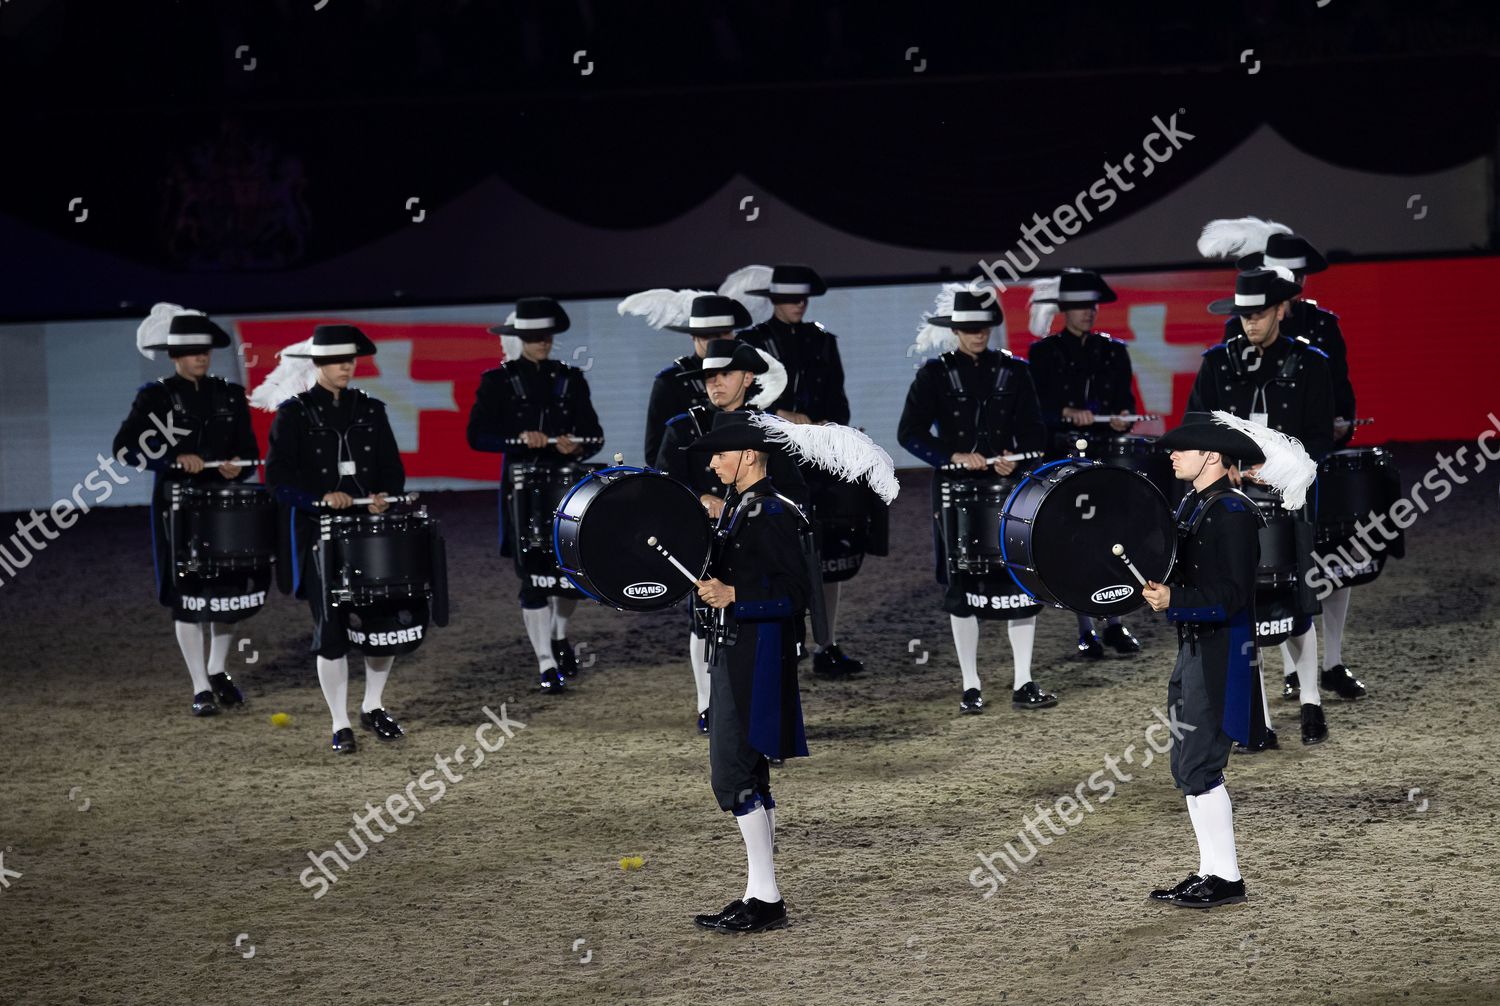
(601, 529)
(1061, 524)
(1141, 454)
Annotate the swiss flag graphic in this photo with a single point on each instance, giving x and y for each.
(426, 374)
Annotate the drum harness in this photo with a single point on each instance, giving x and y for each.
(955, 382)
(218, 400)
(1187, 526)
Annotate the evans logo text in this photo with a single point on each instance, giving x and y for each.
(1106, 595)
(646, 589)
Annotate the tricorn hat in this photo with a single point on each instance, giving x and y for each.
(534, 319)
(1257, 289)
(178, 331)
(332, 344)
(792, 282)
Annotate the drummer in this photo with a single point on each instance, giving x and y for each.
(330, 444)
(729, 370)
(209, 421)
(1284, 384)
(965, 407)
(536, 410)
(1083, 381)
(680, 385)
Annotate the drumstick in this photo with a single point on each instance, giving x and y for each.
(998, 457)
(673, 560)
(217, 464)
(1363, 422)
(1119, 550)
(1141, 417)
(519, 442)
(367, 500)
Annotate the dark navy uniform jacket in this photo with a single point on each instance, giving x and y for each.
(814, 369)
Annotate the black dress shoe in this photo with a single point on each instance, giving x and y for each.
(712, 921)
(1343, 682)
(752, 916)
(971, 702)
(1291, 691)
(225, 690)
(1168, 893)
(703, 722)
(831, 662)
(1211, 892)
(1029, 696)
(1090, 647)
(1118, 638)
(203, 704)
(1314, 727)
(567, 661)
(343, 741)
(1266, 743)
(380, 721)
(552, 681)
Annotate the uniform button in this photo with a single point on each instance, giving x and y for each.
(324, 470)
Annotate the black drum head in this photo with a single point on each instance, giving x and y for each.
(1081, 521)
(617, 565)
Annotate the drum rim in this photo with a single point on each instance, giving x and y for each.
(1005, 516)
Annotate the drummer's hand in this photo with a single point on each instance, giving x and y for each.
(716, 593)
(191, 463)
(1157, 595)
(338, 501)
(378, 503)
(971, 461)
(713, 504)
(1004, 467)
(1116, 423)
(566, 444)
(534, 438)
(1340, 427)
(1078, 417)
(230, 469)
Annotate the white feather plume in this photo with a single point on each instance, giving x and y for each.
(1236, 236)
(840, 450)
(1040, 319)
(1287, 468)
(292, 376)
(751, 277)
(772, 383)
(510, 345)
(661, 307)
(156, 325)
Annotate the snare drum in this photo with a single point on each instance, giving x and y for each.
(970, 512)
(1354, 483)
(1279, 561)
(1059, 527)
(601, 530)
(225, 528)
(374, 558)
(536, 491)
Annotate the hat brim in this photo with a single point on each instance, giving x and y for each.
(530, 334)
(1281, 291)
(735, 438)
(363, 347)
(1103, 297)
(1212, 437)
(944, 321)
(817, 290)
(707, 333)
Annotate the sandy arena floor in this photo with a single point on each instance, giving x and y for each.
(141, 845)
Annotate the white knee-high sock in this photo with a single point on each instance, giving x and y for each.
(755, 828)
(539, 631)
(377, 670)
(218, 646)
(1301, 655)
(190, 642)
(698, 654)
(1022, 632)
(831, 606)
(1192, 802)
(562, 610)
(1217, 816)
(1335, 611)
(333, 675)
(1265, 696)
(966, 642)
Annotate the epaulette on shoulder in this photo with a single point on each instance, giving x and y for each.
(1232, 503)
(1113, 341)
(1007, 354)
(674, 419)
(773, 506)
(819, 326)
(1216, 346)
(1302, 341)
(669, 370)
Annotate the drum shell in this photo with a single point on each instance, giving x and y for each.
(1354, 483)
(1346, 561)
(536, 492)
(971, 515)
(226, 527)
(1076, 549)
(379, 557)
